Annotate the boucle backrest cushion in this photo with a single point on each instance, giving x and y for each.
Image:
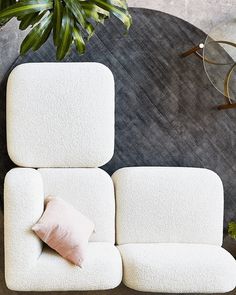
(161, 205)
(60, 115)
(90, 191)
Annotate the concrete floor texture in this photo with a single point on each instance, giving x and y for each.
(202, 13)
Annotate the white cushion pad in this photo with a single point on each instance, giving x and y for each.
(168, 204)
(178, 268)
(60, 115)
(102, 269)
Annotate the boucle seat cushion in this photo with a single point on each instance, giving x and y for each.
(101, 270)
(28, 265)
(60, 115)
(178, 268)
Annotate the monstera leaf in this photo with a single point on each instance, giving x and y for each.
(70, 21)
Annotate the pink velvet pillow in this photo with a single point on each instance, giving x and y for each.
(64, 229)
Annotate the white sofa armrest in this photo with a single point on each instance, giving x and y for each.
(23, 206)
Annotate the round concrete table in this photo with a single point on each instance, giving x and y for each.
(165, 106)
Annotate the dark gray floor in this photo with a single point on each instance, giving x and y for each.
(165, 106)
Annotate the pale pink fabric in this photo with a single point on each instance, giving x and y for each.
(64, 229)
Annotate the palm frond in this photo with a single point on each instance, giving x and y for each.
(38, 35)
(72, 21)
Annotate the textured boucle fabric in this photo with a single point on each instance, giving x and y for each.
(89, 190)
(28, 265)
(178, 268)
(101, 270)
(60, 115)
(165, 204)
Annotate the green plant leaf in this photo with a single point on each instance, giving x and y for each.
(31, 19)
(45, 30)
(73, 21)
(94, 12)
(6, 3)
(78, 40)
(90, 30)
(118, 3)
(93, 7)
(76, 9)
(20, 17)
(25, 7)
(122, 15)
(65, 34)
(80, 17)
(27, 19)
(232, 229)
(57, 19)
(38, 35)
(102, 18)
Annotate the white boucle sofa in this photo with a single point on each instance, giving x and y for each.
(165, 224)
